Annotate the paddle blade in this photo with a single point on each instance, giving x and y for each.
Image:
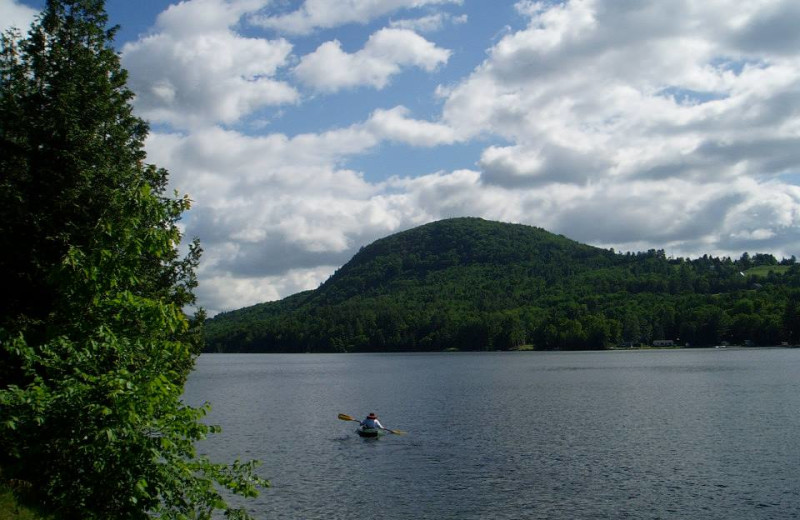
(397, 432)
(345, 417)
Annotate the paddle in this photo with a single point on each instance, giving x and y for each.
(345, 417)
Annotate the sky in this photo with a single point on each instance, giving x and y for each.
(305, 130)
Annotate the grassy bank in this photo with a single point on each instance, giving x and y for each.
(11, 510)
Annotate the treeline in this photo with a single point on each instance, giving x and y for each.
(470, 284)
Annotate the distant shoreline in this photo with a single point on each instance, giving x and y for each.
(457, 351)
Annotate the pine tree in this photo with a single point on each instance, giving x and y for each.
(95, 343)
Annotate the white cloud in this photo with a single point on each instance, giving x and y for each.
(430, 23)
(521, 166)
(227, 292)
(323, 14)
(227, 166)
(196, 70)
(632, 125)
(275, 215)
(386, 52)
(15, 14)
(198, 17)
(635, 91)
(686, 218)
(394, 125)
(273, 206)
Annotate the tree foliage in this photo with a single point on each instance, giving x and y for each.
(95, 344)
(472, 284)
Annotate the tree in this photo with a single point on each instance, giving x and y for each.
(95, 343)
(791, 319)
(745, 262)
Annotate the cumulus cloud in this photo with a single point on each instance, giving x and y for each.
(387, 51)
(681, 216)
(15, 14)
(269, 206)
(619, 124)
(771, 27)
(635, 128)
(323, 14)
(520, 166)
(395, 125)
(635, 91)
(429, 23)
(226, 292)
(195, 69)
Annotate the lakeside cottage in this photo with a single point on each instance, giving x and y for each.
(663, 343)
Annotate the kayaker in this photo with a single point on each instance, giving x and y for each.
(372, 422)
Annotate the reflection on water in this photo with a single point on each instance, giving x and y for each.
(634, 434)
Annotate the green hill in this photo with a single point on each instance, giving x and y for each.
(471, 284)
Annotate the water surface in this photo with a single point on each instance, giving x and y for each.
(622, 434)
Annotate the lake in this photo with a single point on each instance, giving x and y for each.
(706, 433)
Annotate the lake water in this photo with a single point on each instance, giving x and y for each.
(694, 434)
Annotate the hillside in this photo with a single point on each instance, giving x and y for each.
(472, 284)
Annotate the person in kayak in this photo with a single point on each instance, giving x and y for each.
(372, 422)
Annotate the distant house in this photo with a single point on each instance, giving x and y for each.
(663, 343)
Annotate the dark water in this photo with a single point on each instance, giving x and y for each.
(645, 434)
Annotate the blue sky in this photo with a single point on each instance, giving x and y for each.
(304, 130)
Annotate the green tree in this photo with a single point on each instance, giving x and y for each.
(631, 329)
(95, 344)
(791, 319)
(600, 332)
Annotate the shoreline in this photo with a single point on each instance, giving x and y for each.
(456, 351)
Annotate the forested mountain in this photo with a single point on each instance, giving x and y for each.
(472, 284)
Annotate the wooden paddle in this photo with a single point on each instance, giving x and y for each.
(345, 417)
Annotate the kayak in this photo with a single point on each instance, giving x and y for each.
(370, 432)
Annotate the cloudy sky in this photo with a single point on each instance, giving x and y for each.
(304, 130)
